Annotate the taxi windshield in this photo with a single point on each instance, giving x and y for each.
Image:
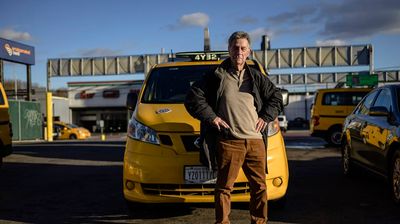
(398, 98)
(170, 84)
(72, 125)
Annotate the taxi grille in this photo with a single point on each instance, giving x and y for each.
(188, 142)
(165, 140)
(190, 189)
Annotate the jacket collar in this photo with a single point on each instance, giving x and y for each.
(224, 67)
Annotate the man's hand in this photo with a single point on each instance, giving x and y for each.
(261, 125)
(218, 123)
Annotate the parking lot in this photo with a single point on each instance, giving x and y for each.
(81, 182)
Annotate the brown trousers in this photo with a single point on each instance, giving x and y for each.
(232, 155)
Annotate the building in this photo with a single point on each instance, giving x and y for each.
(96, 103)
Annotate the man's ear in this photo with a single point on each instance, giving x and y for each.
(250, 53)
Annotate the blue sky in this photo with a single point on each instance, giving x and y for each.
(79, 28)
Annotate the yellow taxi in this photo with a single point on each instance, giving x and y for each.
(161, 161)
(5, 126)
(330, 108)
(63, 130)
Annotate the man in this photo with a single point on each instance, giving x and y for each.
(234, 104)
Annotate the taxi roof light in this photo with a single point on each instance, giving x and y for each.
(200, 56)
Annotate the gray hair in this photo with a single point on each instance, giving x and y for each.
(239, 35)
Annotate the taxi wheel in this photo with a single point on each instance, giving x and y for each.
(72, 137)
(346, 160)
(334, 136)
(395, 177)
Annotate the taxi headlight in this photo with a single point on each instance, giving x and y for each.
(273, 127)
(141, 132)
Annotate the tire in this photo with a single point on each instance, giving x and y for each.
(347, 166)
(334, 136)
(395, 177)
(72, 137)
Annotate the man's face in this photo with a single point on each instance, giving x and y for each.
(239, 51)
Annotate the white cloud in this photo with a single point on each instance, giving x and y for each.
(195, 19)
(11, 34)
(333, 42)
(256, 34)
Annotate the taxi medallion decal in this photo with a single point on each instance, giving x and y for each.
(163, 111)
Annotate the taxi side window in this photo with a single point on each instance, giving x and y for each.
(334, 99)
(343, 98)
(384, 99)
(366, 104)
(330, 99)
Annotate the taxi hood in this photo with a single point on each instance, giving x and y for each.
(166, 118)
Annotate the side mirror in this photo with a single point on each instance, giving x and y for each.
(285, 96)
(378, 111)
(131, 101)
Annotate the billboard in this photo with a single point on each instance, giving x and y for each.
(362, 80)
(16, 52)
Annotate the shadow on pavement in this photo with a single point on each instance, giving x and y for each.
(79, 193)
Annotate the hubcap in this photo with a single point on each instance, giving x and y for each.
(335, 138)
(396, 179)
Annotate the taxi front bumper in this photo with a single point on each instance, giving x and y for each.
(155, 174)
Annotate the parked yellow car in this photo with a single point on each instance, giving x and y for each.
(63, 130)
(5, 126)
(330, 108)
(161, 161)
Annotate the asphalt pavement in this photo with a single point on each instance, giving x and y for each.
(294, 139)
(301, 139)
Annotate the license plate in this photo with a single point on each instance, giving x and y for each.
(199, 175)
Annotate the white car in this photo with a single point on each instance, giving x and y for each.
(283, 123)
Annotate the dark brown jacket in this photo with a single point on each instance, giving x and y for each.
(202, 103)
